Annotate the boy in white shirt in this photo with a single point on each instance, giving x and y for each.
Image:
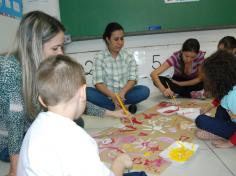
(54, 145)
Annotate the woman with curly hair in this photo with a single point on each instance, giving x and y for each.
(227, 43)
(219, 76)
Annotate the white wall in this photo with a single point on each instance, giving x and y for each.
(8, 27)
(48, 6)
(145, 47)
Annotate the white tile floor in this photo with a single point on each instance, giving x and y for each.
(207, 161)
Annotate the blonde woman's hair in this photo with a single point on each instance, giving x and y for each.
(58, 79)
(34, 30)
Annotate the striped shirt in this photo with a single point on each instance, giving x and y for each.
(175, 61)
(114, 73)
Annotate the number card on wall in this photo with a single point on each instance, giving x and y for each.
(12, 8)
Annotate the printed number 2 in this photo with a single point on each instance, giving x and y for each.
(88, 64)
(155, 61)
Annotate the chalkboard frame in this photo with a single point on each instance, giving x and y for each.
(162, 31)
(223, 18)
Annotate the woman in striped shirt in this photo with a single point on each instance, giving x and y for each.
(187, 77)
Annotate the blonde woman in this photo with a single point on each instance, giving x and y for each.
(38, 37)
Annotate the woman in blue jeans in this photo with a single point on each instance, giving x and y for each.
(219, 75)
(115, 72)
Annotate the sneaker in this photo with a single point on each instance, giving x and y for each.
(132, 109)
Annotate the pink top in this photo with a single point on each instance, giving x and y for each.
(174, 61)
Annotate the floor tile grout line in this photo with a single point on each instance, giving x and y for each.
(218, 157)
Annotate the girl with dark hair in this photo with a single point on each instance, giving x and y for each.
(115, 72)
(228, 43)
(186, 78)
(219, 76)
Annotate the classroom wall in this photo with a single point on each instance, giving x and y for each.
(48, 6)
(149, 50)
(8, 27)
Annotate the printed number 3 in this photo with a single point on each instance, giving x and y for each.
(155, 62)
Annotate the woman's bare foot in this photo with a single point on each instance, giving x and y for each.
(117, 113)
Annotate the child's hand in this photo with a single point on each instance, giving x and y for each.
(120, 163)
(124, 160)
(233, 116)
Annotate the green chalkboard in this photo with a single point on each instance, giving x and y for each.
(88, 18)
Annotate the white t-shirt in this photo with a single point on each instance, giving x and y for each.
(56, 146)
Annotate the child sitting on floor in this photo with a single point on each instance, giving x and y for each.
(54, 145)
(219, 75)
(227, 43)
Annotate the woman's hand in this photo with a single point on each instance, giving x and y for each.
(11, 174)
(168, 92)
(123, 160)
(117, 114)
(115, 101)
(122, 95)
(13, 165)
(179, 83)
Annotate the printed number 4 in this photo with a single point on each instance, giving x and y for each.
(155, 61)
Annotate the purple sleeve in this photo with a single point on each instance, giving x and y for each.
(201, 57)
(172, 60)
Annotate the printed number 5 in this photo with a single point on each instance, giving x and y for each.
(155, 62)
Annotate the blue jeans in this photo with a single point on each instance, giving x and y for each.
(221, 125)
(4, 155)
(135, 95)
(142, 173)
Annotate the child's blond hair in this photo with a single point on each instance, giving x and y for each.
(58, 78)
